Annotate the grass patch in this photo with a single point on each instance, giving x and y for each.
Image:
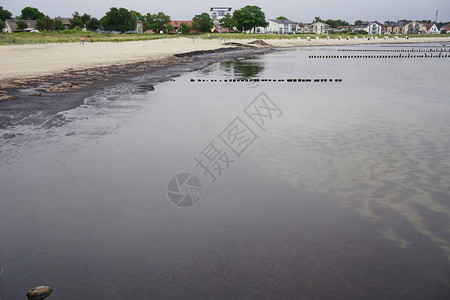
(71, 36)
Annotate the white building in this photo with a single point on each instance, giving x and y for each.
(373, 27)
(11, 25)
(217, 13)
(319, 28)
(281, 26)
(432, 29)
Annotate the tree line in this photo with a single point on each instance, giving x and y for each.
(124, 20)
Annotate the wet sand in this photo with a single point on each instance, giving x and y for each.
(53, 93)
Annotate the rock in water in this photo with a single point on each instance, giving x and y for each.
(39, 292)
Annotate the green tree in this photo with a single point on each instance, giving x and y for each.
(358, 22)
(169, 28)
(118, 20)
(249, 17)
(40, 24)
(45, 23)
(158, 22)
(228, 22)
(202, 23)
(318, 19)
(85, 18)
(58, 25)
(21, 25)
(2, 25)
(332, 23)
(281, 18)
(4, 14)
(185, 28)
(137, 15)
(31, 13)
(93, 24)
(343, 23)
(74, 22)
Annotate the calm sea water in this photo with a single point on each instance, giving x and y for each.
(342, 193)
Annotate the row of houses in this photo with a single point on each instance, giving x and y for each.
(372, 27)
(275, 26)
(415, 27)
(280, 26)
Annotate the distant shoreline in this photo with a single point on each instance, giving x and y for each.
(24, 61)
(72, 67)
(63, 75)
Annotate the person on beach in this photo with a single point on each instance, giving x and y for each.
(82, 41)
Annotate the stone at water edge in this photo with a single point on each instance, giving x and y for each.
(39, 293)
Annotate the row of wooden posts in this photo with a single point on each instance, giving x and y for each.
(383, 56)
(270, 80)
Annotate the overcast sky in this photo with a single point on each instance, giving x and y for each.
(296, 10)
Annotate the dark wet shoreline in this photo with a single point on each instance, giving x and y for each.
(36, 100)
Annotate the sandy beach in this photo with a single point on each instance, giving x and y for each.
(21, 61)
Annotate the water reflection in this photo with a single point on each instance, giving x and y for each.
(246, 68)
(345, 195)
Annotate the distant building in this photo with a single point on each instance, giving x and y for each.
(281, 26)
(432, 29)
(217, 13)
(219, 29)
(139, 26)
(372, 27)
(345, 28)
(176, 25)
(414, 28)
(393, 27)
(11, 25)
(65, 22)
(288, 26)
(318, 28)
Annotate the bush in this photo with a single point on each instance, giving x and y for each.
(21, 25)
(76, 22)
(58, 25)
(93, 24)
